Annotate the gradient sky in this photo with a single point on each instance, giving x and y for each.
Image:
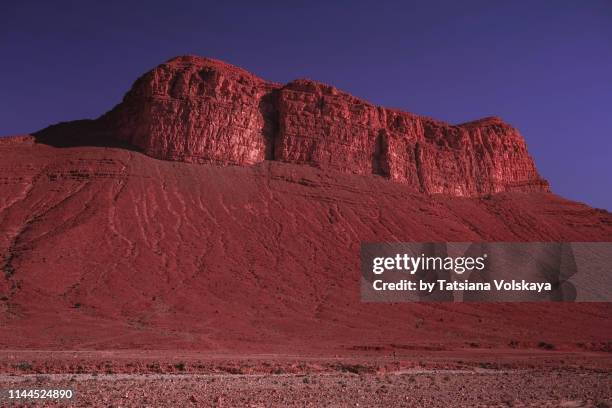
(543, 66)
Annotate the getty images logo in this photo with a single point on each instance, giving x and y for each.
(413, 264)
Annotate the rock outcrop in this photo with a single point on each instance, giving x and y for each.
(197, 110)
(205, 111)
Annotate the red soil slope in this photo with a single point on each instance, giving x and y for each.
(105, 247)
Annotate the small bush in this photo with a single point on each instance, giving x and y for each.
(24, 365)
(353, 368)
(546, 346)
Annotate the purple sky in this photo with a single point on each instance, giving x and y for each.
(543, 66)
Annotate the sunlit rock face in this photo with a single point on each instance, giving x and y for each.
(196, 110)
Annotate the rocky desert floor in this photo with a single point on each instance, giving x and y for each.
(464, 378)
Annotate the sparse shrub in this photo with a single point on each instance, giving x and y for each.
(546, 346)
(180, 366)
(353, 368)
(24, 366)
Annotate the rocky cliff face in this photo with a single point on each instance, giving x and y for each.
(197, 110)
(200, 110)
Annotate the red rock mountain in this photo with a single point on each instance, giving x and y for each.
(205, 111)
(103, 246)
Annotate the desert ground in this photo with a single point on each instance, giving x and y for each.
(391, 378)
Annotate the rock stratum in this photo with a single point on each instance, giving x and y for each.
(200, 110)
(104, 246)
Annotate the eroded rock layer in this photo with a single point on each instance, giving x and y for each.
(196, 110)
(205, 111)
